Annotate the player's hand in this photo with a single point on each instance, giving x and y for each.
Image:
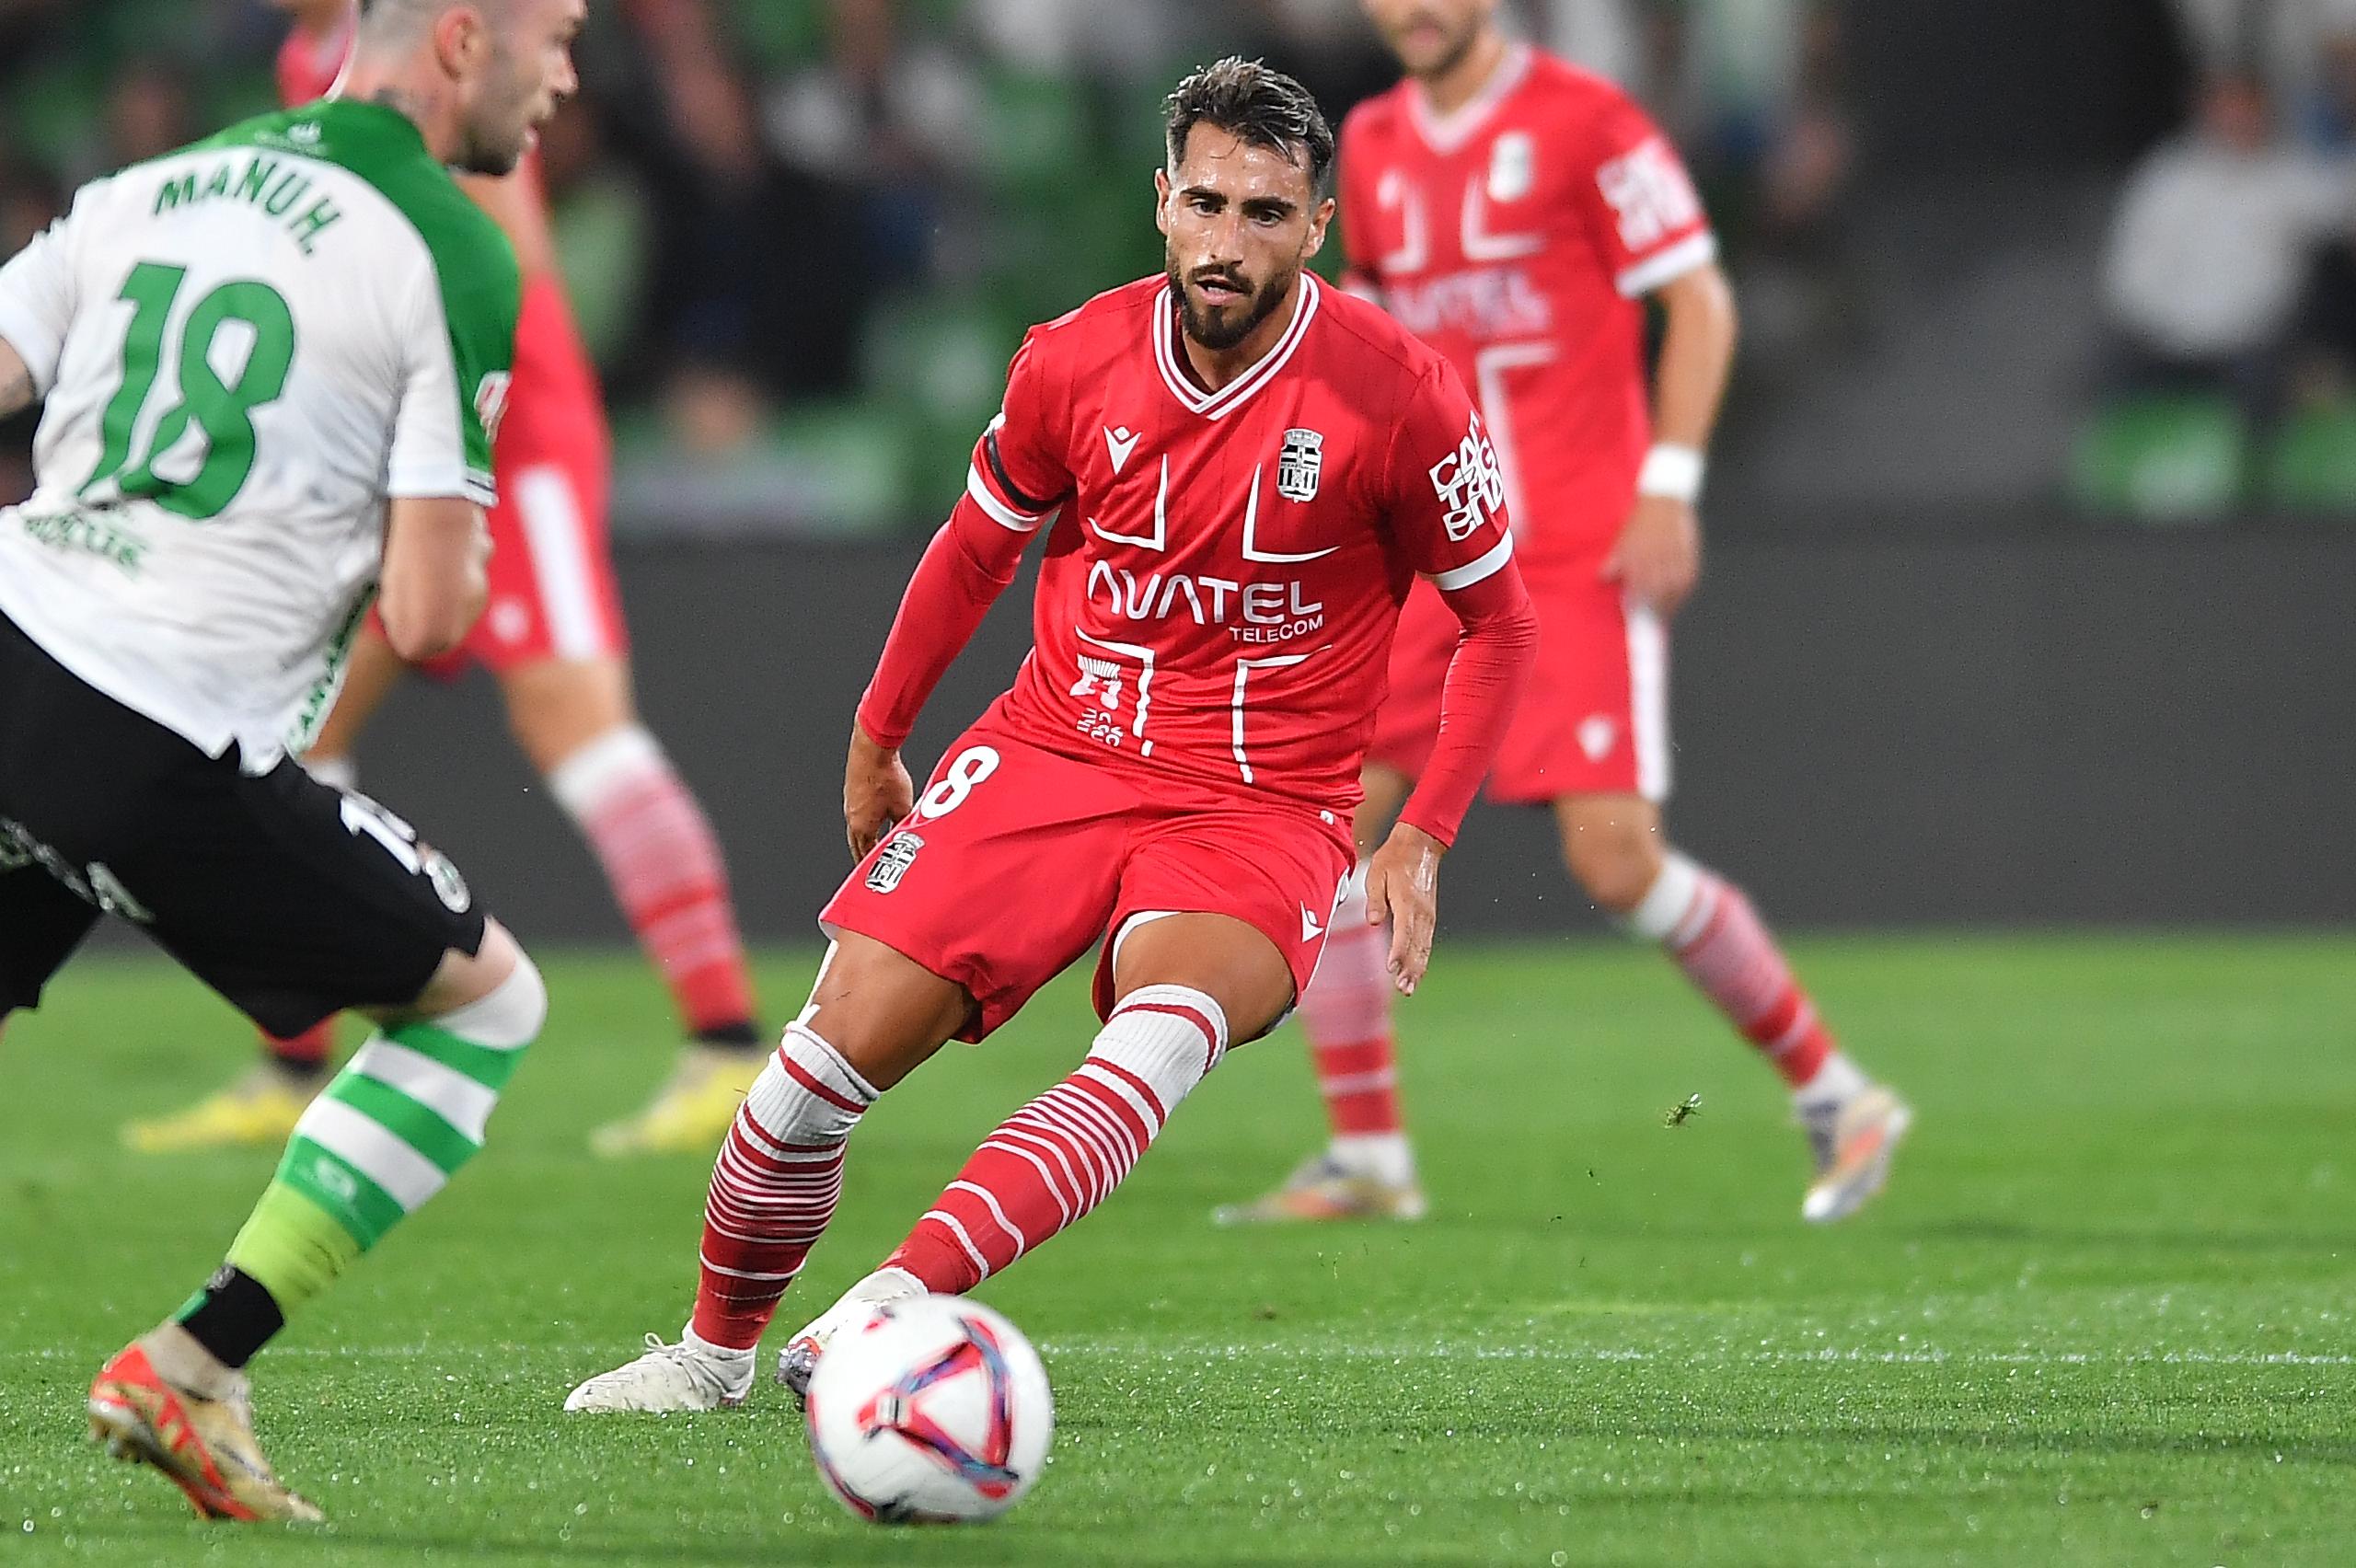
(1403, 887)
(877, 792)
(1658, 556)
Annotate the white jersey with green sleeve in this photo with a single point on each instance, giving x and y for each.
(245, 348)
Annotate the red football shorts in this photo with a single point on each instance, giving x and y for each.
(1017, 861)
(1593, 719)
(553, 595)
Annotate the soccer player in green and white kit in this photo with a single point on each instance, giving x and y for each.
(272, 364)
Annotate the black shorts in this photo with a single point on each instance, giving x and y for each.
(293, 900)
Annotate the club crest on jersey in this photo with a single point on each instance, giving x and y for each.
(1513, 166)
(490, 403)
(892, 862)
(1299, 463)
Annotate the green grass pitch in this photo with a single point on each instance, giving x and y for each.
(2106, 1314)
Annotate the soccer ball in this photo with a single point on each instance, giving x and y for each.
(934, 1411)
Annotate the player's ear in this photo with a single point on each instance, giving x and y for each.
(461, 43)
(1321, 218)
(1162, 199)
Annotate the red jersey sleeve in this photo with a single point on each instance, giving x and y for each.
(1639, 203)
(1021, 470)
(1018, 477)
(1448, 513)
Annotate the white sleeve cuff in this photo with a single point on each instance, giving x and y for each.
(999, 512)
(1694, 251)
(435, 481)
(1472, 571)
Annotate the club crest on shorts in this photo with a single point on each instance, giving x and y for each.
(892, 861)
(1299, 463)
(448, 885)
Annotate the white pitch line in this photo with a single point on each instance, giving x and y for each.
(1187, 1350)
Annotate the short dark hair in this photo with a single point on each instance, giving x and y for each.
(1257, 104)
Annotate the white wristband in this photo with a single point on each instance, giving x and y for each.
(1672, 472)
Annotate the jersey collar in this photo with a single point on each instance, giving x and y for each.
(1236, 393)
(1444, 133)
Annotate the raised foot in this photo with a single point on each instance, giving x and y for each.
(1854, 1145)
(798, 1362)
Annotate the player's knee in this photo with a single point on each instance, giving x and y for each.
(1616, 860)
(509, 1015)
(1166, 1037)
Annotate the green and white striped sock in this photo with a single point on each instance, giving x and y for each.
(387, 1134)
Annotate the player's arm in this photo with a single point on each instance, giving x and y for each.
(455, 333)
(432, 583)
(1659, 554)
(1015, 482)
(37, 300)
(1449, 513)
(1645, 221)
(16, 390)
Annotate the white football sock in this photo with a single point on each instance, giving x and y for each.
(1836, 1082)
(1388, 1157)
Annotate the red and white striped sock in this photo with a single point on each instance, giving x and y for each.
(774, 1187)
(1716, 936)
(1345, 1013)
(1063, 1154)
(665, 867)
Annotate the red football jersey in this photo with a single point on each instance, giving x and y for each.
(1518, 236)
(1225, 574)
(309, 64)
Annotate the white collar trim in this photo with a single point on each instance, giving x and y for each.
(1227, 398)
(1446, 133)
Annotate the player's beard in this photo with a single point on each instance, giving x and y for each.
(499, 132)
(1452, 49)
(1223, 329)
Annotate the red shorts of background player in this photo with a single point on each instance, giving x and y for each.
(1017, 861)
(551, 574)
(1594, 718)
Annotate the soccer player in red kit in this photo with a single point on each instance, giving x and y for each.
(1244, 470)
(552, 634)
(1514, 212)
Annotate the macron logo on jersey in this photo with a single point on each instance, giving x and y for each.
(1119, 442)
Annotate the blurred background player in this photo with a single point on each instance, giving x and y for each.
(1170, 776)
(552, 634)
(1514, 212)
(271, 367)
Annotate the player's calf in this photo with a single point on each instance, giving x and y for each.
(874, 1016)
(388, 1132)
(1060, 1156)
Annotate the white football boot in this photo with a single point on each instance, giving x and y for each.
(687, 1376)
(799, 1359)
(1324, 1188)
(1854, 1143)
